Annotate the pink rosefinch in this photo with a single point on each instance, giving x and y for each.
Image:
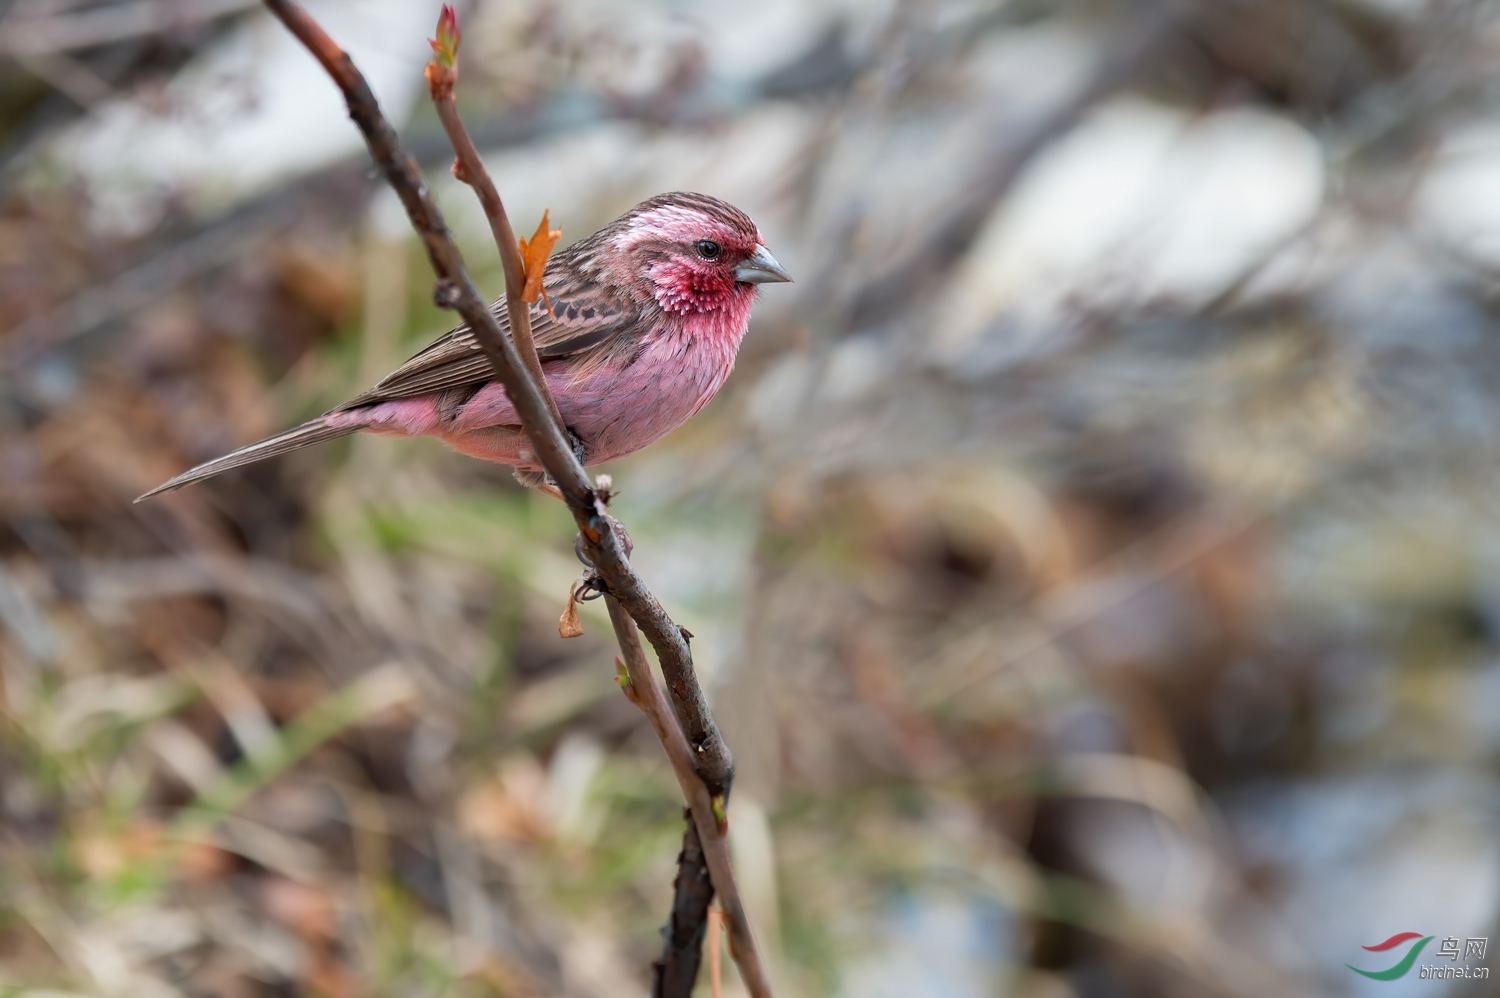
(647, 316)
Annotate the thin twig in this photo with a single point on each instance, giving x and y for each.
(698, 752)
(711, 832)
(715, 924)
(471, 170)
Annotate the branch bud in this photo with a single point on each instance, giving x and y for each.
(721, 812)
(445, 45)
(442, 71)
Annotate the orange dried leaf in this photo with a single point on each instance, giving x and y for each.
(534, 253)
(568, 625)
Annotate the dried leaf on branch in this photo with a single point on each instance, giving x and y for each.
(534, 254)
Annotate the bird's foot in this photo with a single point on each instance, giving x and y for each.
(543, 482)
(537, 480)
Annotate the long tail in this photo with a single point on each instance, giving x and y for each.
(312, 432)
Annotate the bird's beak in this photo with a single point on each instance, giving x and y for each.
(761, 268)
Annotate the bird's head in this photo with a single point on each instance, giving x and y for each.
(694, 254)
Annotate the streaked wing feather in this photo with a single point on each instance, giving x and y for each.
(455, 358)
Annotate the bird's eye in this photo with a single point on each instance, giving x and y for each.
(708, 249)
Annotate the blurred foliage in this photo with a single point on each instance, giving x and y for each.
(1092, 556)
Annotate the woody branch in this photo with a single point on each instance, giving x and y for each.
(701, 750)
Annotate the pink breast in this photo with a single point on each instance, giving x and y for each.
(618, 409)
(618, 413)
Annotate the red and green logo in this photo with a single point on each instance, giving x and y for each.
(1403, 965)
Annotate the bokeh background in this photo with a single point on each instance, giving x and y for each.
(1093, 557)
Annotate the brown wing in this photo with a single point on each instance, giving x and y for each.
(583, 316)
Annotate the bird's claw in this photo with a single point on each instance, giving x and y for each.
(620, 532)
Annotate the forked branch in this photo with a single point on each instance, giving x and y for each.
(694, 744)
(711, 826)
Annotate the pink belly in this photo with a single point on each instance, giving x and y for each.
(614, 411)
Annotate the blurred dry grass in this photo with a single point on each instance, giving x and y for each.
(1083, 631)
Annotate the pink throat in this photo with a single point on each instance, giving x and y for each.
(681, 289)
(718, 319)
